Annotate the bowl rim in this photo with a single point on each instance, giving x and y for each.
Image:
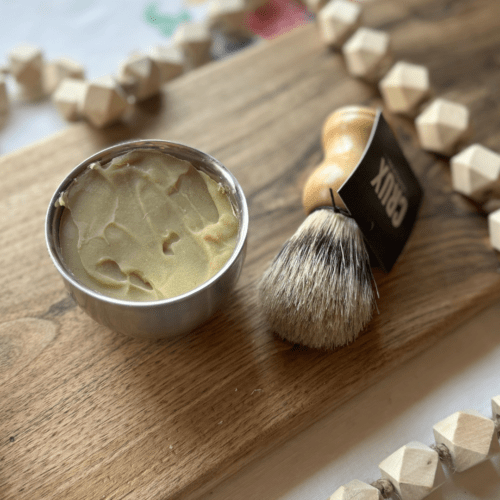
(106, 155)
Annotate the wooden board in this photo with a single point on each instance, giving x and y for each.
(86, 413)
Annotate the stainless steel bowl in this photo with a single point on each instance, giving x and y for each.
(161, 318)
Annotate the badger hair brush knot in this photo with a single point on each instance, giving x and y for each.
(319, 290)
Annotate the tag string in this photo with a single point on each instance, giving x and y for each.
(334, 207)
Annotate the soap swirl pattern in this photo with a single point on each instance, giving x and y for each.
(146, 226)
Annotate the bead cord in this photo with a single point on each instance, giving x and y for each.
(444, 455)
(385, 487)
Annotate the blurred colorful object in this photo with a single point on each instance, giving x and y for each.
(276, 17)
(166, 23)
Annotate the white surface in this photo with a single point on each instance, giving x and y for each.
(461, 371)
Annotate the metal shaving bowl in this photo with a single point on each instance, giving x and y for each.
(161, 318)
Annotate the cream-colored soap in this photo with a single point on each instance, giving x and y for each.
(146, 226)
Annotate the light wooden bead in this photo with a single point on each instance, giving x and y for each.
(70, 97)
(494, 229)
(495, 402)
(26, 66)
(404, 87)
(169, 60)
(470, 437)
(55, 71)
(195, 40)
(4, 100)
(228, 16)
(442, 125)
(338, 20)
(367, 53)
(104, 102)
(414, 470)
(474, 170)
(140, 76)
(356, 490)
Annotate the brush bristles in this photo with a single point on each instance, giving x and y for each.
(318, 290)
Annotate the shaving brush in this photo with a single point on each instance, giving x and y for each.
(318, 290)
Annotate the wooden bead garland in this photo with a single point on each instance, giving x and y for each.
(463, 440)
(441, 127)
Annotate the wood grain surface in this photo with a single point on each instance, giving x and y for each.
(87, 413)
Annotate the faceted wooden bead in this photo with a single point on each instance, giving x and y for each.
(70, 97)
(404, 87)
(104, 102)
(474, 169)
(414, 470)
(195, 40)
(26, 65)
(356, 490)
(367, 53)
(494, 232)
(469, 436)
(338, 20)
(169, 60)
(442, 125)
(140, 76)
(55, 71)
(495, 404)
(4, 101)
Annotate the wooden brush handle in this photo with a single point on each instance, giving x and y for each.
(345, 134)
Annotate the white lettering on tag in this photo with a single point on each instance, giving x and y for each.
(390, 194)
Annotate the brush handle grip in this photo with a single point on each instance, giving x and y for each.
(345, 134)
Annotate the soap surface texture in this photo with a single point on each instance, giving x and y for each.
(146, 226)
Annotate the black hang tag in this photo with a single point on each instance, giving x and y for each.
(383, 195)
